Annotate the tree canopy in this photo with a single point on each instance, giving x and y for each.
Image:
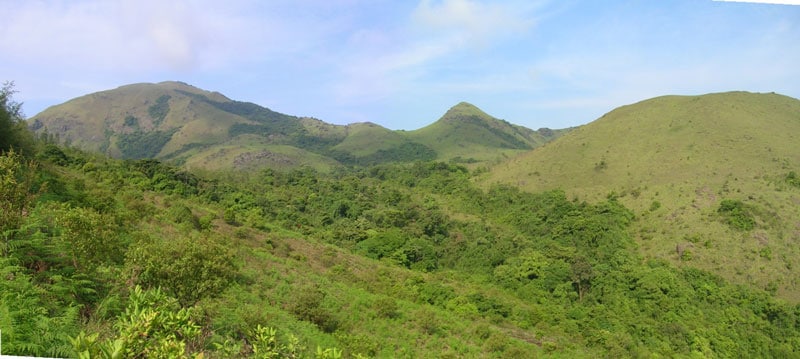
(13, 130)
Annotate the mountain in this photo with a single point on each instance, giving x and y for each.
(176, 121)
(183, 124)
(684, 164)
(470, 134)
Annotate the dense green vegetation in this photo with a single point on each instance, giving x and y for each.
(13, 133)
(141, 144)
(268, 121)
(141, 259)
(136, 258)
(736, 214)
(158, 111)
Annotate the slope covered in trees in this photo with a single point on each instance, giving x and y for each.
(104, 257)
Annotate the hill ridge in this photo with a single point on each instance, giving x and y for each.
(175, 121)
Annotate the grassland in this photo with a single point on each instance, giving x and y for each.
(673, 159)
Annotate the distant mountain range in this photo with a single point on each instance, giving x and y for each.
(176, 122)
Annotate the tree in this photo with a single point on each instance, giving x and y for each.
(13, 133)
(582, 275)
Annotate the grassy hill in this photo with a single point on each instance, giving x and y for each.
(162, 120)
(177, 122)
(680, 162)
(467, 133)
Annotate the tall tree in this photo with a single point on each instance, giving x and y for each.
(13, 132)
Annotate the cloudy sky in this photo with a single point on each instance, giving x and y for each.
(402, 64)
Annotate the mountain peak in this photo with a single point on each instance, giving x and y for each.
(463, 110)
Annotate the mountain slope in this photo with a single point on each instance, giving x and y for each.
(675, 160)
(467, 132)
(158, 120)
(180, 123)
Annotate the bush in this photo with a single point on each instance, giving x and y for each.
(187, 268)
(153, 326)
(386, 308)
(307, 305)
(736, 214)
(793, 179)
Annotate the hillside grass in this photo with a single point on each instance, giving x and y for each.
(673, 160)
(364, 139)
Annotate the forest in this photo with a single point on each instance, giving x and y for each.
(106, 258)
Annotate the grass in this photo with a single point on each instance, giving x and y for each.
(364, 139)
(688, 153)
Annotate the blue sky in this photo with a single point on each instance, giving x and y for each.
(402, 64)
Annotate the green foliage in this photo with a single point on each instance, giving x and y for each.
(158, 111)
(736, 214)
(16, 187)
(307, 304)
(654, 206)
(142, 144)
(131, 121)
(183, 214)
(13, 132)
(188, 268)
(104, 247)
(32, 322)
(266, 344)
(165, 178)
(153, 326)
(405, 152)
(387, 308)
(793, 179)
(89, 237)
(54, 154)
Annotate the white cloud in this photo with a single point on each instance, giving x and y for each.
(128, 35)
(433, 31)
(459, 23)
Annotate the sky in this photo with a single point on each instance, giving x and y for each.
(402, 64)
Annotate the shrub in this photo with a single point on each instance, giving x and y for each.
(307, 305)
(793, 179)
(386, 308)
(153, 326)
(187, 268)
(655, 206)
(736, 214)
